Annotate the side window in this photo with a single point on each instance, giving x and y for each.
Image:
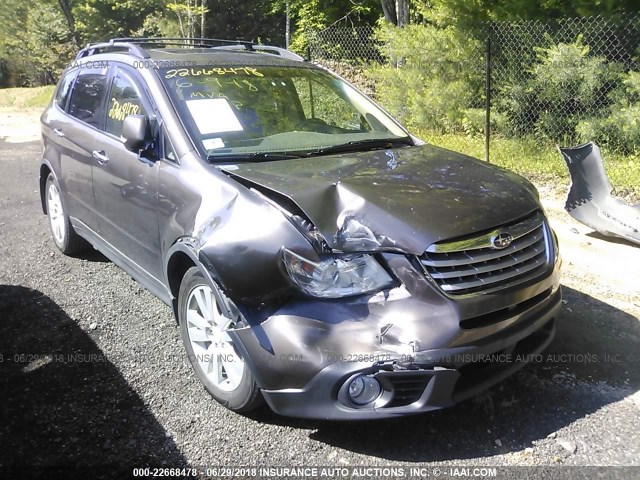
(87, 98)
(123, 101)
(62, 95)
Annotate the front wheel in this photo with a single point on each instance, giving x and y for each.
(213, 356)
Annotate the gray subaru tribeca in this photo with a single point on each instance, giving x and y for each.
(316, 255)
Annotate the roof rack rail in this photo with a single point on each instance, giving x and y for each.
(95, 48)
(137, 46)
(184, 41)
(284, 53)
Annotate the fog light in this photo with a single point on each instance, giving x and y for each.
(364, 389)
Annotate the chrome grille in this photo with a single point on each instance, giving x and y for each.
(474, 265)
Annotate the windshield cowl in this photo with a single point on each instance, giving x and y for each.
(363, 145)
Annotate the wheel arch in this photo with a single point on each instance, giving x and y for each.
(181, 257)
(45, 171)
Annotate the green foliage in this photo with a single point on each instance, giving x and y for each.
(565, 86)
(439, 76)
(103, 19)
(312, 15)
(473, 122)
(47, 42)
(158, 25)
(539, 161)
(619, 127)
(467, 13)
(38, 45)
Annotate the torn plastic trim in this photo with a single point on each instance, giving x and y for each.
(188, 247)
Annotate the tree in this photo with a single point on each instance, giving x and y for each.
(469, 12)
(308, 16)
(36, 44)
(189, 13)
(396, 11)
(68, 14)
(98, 20)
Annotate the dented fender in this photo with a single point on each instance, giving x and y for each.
(227, 230)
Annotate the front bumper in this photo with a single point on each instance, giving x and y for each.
(411, 387)
(428, 351)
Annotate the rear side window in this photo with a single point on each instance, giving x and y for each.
(124, 100)
(87, 98)
(62, 95)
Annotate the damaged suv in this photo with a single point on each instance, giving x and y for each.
(317, 256)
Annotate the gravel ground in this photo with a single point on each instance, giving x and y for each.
(92, 371)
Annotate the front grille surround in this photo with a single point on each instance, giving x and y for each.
(474, 266)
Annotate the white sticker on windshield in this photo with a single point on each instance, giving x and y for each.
(213, 143)
(213, 115)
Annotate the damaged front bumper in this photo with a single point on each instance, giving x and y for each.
(406, 387)
(426, 350)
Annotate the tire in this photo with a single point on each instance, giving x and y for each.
(64, 236)
(210, 350)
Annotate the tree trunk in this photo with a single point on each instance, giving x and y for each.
(191, 20)
(389, 11)
(66, 10)
(287, 28)
(402, 12)
(202, 10)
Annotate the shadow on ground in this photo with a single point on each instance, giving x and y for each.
(592, 345)
(63, 402)
(618, 240)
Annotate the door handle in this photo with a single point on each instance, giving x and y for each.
(58, 132)
(100, 156)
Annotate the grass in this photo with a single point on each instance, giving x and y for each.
(19, 98)
(541, 162)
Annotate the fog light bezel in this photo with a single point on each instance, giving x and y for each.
(364, 378)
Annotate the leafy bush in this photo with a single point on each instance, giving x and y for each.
(620, 129)
(37, 54)
(563, 88)
(435, 75)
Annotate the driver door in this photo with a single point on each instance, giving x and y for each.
(125, 183)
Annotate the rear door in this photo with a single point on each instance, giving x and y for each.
(125, 183)
(80, 131)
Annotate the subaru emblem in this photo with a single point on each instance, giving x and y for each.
(500, 241)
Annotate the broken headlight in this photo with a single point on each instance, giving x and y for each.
(336, 276)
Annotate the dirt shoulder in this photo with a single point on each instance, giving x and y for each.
(19, 125)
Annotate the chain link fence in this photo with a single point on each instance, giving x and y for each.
(351, 45)
(568, 80)
(563, 81)
(348, 51)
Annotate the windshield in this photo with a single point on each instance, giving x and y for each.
(253, 111)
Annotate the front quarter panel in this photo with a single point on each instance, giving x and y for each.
(236, 235)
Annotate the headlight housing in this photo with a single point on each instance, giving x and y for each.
(336, 276)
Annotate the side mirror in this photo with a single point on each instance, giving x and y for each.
(135, 129)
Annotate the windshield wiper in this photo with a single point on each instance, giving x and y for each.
(251, 157)
(357, 145)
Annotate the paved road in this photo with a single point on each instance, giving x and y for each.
(92, 372)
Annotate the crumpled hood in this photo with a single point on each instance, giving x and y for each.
(402, 199)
